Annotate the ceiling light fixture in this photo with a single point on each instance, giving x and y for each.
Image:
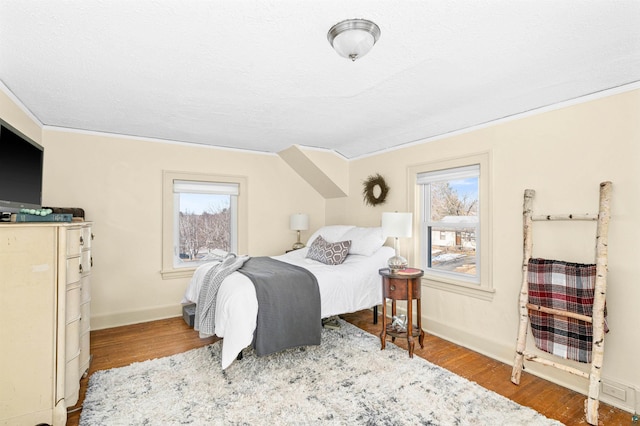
(353, 38)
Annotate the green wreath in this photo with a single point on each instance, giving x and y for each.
(369, 190)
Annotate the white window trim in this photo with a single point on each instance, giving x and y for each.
(168, 271)
(484, 289)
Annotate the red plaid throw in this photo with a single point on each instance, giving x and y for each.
(568, 287)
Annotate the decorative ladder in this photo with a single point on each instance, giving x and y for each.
(597, 320)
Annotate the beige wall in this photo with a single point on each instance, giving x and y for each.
(563, 155)
(118, 181)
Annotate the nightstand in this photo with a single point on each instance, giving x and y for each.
(401, 285)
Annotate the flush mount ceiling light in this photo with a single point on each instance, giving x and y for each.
(353, 38)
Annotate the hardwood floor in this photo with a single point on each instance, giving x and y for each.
(117, 347)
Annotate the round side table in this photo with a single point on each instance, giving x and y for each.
(402, 285)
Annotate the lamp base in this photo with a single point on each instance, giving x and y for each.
(297, 245)
(397, 262)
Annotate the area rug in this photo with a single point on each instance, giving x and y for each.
(347, 380)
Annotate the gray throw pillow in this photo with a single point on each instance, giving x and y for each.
(328, 253)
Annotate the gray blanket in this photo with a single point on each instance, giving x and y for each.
(288, 305)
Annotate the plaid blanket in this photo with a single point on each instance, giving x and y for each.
(568, 287)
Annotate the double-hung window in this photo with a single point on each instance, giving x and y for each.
(201, 216)
(450, 225)
(452, 200)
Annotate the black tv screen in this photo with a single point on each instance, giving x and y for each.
(21, 162)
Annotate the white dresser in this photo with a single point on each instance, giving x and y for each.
(45, 299)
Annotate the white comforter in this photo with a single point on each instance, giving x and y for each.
(349, 287)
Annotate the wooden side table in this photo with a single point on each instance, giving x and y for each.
(401, 286)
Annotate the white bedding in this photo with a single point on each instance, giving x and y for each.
(348, 287)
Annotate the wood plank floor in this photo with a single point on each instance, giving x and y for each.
(117, 347)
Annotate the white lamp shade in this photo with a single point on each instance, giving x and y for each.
(353, 43)
(397, 224)
(299, 222)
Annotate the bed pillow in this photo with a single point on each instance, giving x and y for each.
(364, 241)
(330, 233)
(328, 253)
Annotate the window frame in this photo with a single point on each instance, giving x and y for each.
(482, 288)
(169, 271)
(447, 175)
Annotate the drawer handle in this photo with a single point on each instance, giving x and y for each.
(80, 267)
(91, 260)
(392, 287)
(81, 241)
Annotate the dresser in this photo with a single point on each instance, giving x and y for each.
(45, 298)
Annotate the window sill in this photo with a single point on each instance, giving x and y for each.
(458, 287)
(177, 273)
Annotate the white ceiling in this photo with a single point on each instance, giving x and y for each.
(261, 75)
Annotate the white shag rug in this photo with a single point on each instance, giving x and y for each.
(347, 380)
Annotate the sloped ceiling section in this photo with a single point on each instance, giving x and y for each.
(327, 180)
(260, 74)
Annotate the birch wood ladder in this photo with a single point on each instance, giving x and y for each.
(597, 321)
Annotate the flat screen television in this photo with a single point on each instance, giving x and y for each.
(21, 161)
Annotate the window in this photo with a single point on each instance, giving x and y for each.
(201, 213)
(450, 222)
(204, 215)
(452, 201)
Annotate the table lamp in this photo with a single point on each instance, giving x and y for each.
(299, 222)
(397, 225)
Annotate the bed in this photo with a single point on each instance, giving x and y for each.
(347, 287)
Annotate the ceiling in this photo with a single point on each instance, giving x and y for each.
(261, 75)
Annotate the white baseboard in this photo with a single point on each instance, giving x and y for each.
(506, 354)
(99, 322)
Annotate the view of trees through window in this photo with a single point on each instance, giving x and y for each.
(204, 224)
(447, 201)
(453, 225)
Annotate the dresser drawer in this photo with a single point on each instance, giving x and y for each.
(74, 241)
(73, 270)
(72, 381)
(85, 317)
(398, 288)
(72, 340)
(73, 302)
(86, 262)
(86, 288)
(86, 238)
(85, 355)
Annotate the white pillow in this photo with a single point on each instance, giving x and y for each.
(364, 241)
(331, 233)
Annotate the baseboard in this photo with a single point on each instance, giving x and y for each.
(506, 353)
(100, 322)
